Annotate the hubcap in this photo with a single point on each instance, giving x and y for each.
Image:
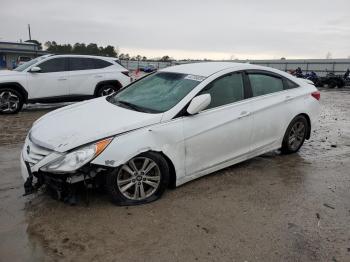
(139, 178)
(107, 91)
(296, 135)
(9, 102)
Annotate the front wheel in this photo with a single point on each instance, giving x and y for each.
(141, 180)
(11, 101)
(106, 90)
(295, 135)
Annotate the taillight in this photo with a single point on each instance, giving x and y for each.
(316, 95)
(126, 73)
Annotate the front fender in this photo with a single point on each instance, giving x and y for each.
(164, 137)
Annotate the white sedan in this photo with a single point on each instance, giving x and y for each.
(168, 128)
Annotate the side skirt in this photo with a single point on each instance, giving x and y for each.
(225, 164)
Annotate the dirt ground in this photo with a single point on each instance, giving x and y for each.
(270, 208)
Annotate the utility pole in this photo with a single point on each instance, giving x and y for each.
(30, 35)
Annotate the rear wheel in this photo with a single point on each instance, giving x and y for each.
(142, 179)
(295, 135)
(11, 101)
(107, 90)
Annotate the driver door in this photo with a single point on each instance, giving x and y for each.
(51, 82)
(221, 133)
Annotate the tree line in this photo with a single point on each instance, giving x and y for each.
(92, 49)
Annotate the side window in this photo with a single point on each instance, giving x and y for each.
(99, 63)
(225, 90)
(53, 65)
(80, 63)
(288, 84)
(265, 84)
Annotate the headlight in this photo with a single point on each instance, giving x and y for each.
(77, 158)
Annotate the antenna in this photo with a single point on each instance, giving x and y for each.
(30, 35)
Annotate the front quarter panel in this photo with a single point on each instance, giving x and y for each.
(166, 137)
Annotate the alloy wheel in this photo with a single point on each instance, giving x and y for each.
(296, 135)
(107, 91)
(9, 101)
(139, 178)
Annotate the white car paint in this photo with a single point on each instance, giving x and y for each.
(66, 83)
(196, 144)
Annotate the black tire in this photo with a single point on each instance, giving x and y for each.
(12, 96)
(106, 90)
(119, 198)
(288, 146)
(332, 84)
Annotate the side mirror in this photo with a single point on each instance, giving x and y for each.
(199, 103)
(35, 69)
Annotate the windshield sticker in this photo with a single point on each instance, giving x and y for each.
(195, 78)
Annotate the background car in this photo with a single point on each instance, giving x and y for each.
(169, 128)
(60, 78)
(148, 68)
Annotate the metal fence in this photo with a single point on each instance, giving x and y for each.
(319, 66)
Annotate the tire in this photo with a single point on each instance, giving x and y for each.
(294, 139)
(106, 90)
(332, 84)
(122, 182)
(11, 101)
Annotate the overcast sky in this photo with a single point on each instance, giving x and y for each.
(220, 29)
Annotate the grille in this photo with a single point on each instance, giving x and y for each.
(35, 153)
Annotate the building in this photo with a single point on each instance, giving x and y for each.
(13, 53)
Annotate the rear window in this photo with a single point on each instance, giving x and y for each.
(290, 84)
(263, 84)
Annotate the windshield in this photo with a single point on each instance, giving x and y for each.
(24, 66)
(156, 93)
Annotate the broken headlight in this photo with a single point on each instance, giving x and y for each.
(77, 158)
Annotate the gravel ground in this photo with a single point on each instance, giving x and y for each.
(270, 208)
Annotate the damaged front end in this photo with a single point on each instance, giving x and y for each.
(64, 187)
(62, 173)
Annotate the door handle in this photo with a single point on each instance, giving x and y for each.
(62, 79)
(244, 114)
(288, 98)
(98, 76)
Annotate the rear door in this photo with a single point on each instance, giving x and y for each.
(222, 131)
(85, 73)
(270, 109)
(51, 81)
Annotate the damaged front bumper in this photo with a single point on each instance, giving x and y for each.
(61, 186)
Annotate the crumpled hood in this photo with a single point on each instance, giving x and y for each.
(88, 121)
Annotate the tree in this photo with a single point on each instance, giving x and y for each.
(127, 57)
(144, 58)
(138, 57)
(92, 49)
(109, 51)
(165, 58)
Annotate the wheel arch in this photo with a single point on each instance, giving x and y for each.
(115, 83)
(172, 170)
(18, 87)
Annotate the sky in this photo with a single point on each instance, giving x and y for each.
(220, 29)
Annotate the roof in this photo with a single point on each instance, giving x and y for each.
(87, 56)
(206, 68)
(22, 51)
(17, 43)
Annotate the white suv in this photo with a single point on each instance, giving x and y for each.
(60, 78)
